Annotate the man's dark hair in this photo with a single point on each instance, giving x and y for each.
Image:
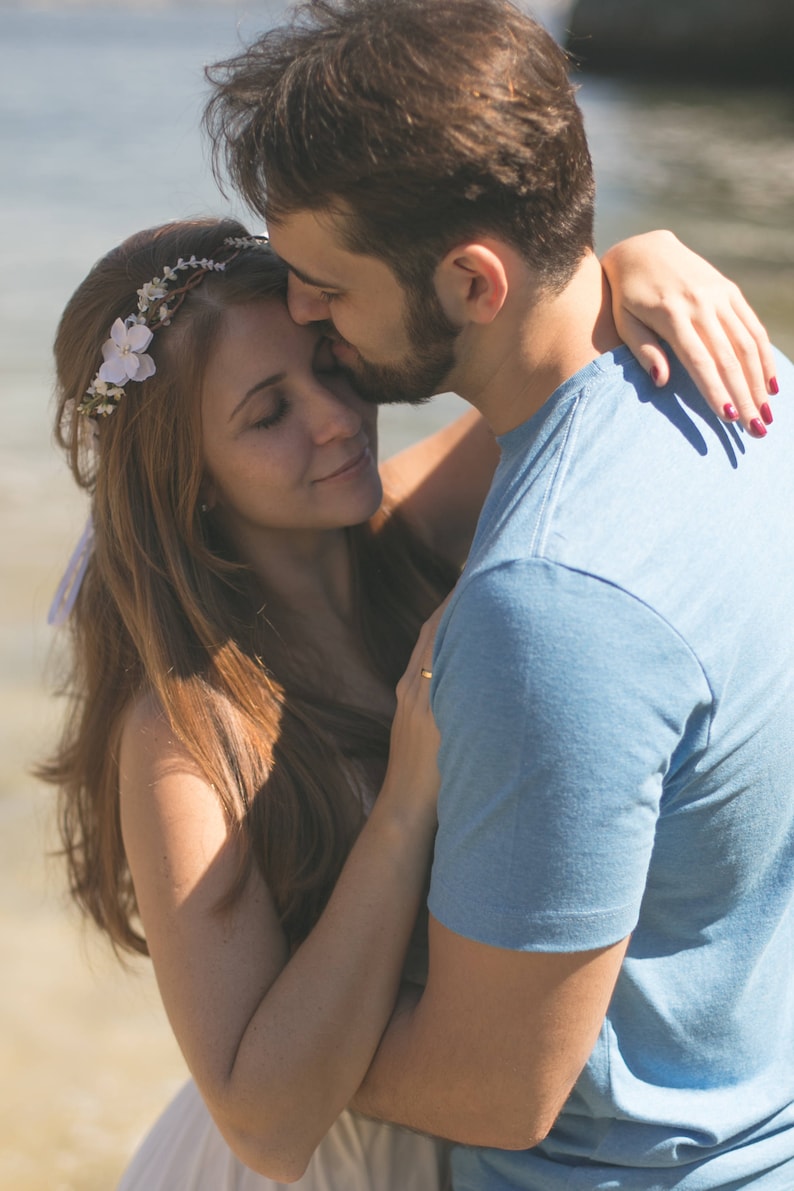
(430, 121)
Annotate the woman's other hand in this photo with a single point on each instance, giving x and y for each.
(413, 765)
(663, 290)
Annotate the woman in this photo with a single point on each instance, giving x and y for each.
(251, 599)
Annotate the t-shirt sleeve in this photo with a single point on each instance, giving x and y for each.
(567, 708)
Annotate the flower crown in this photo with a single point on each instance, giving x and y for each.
(158, 301)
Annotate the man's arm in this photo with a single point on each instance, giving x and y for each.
(489, 1052)
(561, 701)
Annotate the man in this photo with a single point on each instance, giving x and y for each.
(610, 1000)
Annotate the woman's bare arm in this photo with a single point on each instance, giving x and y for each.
(277, 1044)
(440, 483)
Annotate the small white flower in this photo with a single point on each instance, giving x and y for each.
(123, 354)
(105, 409)
(150, 293)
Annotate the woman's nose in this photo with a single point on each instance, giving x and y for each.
(305, 305)
(332, 416)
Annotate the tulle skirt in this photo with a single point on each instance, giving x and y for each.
(185, 1152)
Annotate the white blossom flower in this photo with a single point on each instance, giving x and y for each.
(100, 398)
(123, 354)
(150, 293)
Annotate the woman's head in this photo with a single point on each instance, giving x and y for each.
(239, 410)
(144, 458)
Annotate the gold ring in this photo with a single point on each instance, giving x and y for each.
(426, 673)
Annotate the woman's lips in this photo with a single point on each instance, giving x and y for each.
(356, 462)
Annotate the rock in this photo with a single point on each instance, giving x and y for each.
(731, 40)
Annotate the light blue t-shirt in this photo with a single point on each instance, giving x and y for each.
(614, 686)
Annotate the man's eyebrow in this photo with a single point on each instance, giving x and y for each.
(275, 379)
(307, 280)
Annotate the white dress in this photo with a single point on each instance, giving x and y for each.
(185, 1152)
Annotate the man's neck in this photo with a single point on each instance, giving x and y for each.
(509, 369)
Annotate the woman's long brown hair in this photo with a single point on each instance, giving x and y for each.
(166, 610)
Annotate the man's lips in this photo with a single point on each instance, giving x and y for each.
(352, 464)
(342, 350)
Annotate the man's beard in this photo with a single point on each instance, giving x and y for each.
(429, 360)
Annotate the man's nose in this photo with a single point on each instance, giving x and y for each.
(305, 305)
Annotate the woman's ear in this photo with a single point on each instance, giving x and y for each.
(208, 497)
(472, 283)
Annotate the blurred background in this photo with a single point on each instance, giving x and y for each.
(99, 112)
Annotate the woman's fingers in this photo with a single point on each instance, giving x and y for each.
(646, 347)
(427, 638)
(413, 689)
(664, 293)
(723, 359)
(756, 329)
(724, 349)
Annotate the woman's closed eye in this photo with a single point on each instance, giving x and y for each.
(276, 414)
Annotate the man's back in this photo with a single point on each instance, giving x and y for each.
(615, 693)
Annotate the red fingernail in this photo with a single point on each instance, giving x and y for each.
(766, 414)
(758, 428)
(731, 412)
(774, 387)
(655, 375)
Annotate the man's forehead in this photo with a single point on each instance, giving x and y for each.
(312, 244)
(307, 234)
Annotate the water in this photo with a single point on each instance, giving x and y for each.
(99, 110)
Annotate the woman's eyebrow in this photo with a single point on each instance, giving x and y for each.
(275, 379)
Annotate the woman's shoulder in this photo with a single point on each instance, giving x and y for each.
(145, 711)
(148, 742)
(145, 721)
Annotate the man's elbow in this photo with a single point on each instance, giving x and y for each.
(503, 1115)
(491, 1131)
(521, 1135)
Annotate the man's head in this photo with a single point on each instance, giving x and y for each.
(427, 122)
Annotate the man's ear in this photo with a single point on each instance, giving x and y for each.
(472, 283)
